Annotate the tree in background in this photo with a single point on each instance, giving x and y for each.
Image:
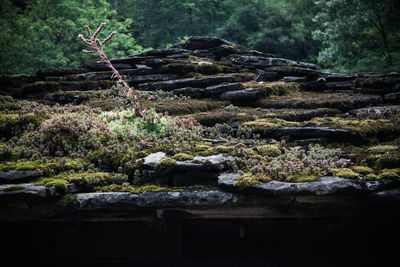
(359, 35)
(272, 26)
(43, 35)
(279, 27)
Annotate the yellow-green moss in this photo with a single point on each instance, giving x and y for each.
(50, 167)
(389, 174)
(383, 149)
(165, 164)
(302, 178)
(344, 173)
(14, 188)
(59, 184)
(362, 169)
(222, 116)
(86, 180)
(248, 180)
(223, 149)
(379, 128)
(263, 125)
(67, 199)
(269, 150)
(370, 177)
(275, 88)
(138, 189)
(15, 124)
(182, 157)
(176, 107)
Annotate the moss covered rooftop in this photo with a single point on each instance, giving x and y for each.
(224, 128)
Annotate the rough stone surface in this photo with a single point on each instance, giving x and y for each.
(374, 110)
(216, 160)
(313, 132)
(247, 95)
(152, 159)
(30, 189)
(192, 82)
(154, 199)
(19, 176)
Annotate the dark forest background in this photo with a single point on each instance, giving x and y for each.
(340, 35)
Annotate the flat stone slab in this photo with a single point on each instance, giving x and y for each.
(313, 132)
(193, 82)
(152, 159)
(29, 189)
(154, 199)
(247, 95)
(327, 185)
(375, 110)
(19, 176)
(214, 159)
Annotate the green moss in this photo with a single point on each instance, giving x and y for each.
(84, 180)
(381, 129)
(386, 161)
(264, 125)
(344, 172)
(222, 116)
(362, 169)
(14, 188)
(383, 149)
(165, 163)
(59, 184)
(302, 178)
(67, 199)
(269, 150)
(370, 177)
(389, 174)
(176, 107)
(248, 180)
(15, 124)
(138, 189)
(275, 88)
(49, 168)
(223, 149)
(182, 157)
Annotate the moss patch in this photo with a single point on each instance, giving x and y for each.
(344, 173)
(389, 174)
(166, 163)
(269, 150)
(15, 124)
(383, 149)
(176, 107)
(275, 88)
(222, 116)
(137, 189)
(182, 157)
(362, 170)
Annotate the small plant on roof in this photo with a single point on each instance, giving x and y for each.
(97, 47)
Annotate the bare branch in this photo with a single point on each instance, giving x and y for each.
(108, 38)
(97, 46)
(91, 52)
(98, 30)
(98, 43)
(85, 41)
(88, 31)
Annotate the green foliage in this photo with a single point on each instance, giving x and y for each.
(359, 35)
(124, 123)
(43, 35)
